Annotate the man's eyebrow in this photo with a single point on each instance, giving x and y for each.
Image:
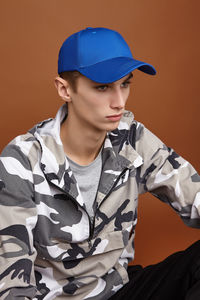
(129, 77)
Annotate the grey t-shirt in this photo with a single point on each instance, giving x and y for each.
(88, 178)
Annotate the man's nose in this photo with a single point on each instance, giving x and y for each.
(117, 100)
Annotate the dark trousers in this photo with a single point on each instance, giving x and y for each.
(175, 278)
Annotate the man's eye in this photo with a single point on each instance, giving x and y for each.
(102, 88)
(125, 84)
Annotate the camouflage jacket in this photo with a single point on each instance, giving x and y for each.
(49, 248)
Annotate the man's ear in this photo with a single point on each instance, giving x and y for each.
(63, 88)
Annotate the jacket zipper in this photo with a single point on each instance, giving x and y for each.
(93, 223)
(92, 219)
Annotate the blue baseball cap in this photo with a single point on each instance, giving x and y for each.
(100, 54)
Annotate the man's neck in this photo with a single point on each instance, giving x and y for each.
(81, 144)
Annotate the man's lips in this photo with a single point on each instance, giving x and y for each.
(114, 117)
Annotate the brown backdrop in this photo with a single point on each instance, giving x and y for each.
(162, 32)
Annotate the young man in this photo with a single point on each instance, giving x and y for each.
(69, 189)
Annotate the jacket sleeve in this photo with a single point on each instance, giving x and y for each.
(168, 176)
(18, 218)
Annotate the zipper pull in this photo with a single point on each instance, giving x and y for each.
(91, 226)
(92, 219)
(89, 243)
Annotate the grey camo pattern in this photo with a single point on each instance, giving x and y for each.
(49, 247)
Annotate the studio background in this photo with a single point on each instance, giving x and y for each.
(164, 33)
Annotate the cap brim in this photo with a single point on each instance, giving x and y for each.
(114, 69)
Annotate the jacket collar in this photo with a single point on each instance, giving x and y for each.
(118, 154)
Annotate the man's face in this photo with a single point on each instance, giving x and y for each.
(96, 106)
